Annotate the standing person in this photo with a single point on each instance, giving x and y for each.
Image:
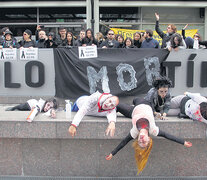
(62, 38)
(159, 97)
(51, 41)
(38, 29)
(195, 42)
(79, 41)
(143, 128)
(120, 39)
(176, 42)
(110, 42)
(70, 41)
(96, 104)
(128, 43)
(100, 38)
(9, 41)
(89, 39)
(42, 38)
(149, 41)
(189, 105)
(137, 41)
(171, 29)
(27, 41)
(3, 30)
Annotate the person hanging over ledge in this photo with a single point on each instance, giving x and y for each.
(159, 97)
(96, 104)
(48, 107)
(189, 105)
(143, 128)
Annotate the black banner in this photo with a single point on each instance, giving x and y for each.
(122, 72)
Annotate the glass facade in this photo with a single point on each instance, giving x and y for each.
(19, 19)
(75, 18)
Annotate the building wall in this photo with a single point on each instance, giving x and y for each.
(176, 12)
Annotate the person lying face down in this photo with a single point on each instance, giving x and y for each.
(49, 106)
(189, 105)
(143, 128)
(96, 104)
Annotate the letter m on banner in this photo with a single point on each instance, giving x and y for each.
(94, 77)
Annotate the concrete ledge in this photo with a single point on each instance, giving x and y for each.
(44, 148)
(14, 125)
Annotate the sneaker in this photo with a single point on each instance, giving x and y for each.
(9, 109)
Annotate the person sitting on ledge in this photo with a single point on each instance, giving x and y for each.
(96, 104)
(143, 127)
(189, 105)
(49, 106)
(159, 97)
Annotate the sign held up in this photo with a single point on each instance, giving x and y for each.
(28, 54)
(8, 54)
(87, 52)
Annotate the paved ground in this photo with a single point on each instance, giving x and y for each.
(108, 178)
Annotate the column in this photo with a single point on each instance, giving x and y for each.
(96, 16)
(88, 13)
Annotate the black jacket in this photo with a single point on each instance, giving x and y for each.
(27, 44)
(41, 43)
(110, 44)
(165, 37)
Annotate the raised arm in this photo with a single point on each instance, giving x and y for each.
(175, 139)
(120, 146)
(183, 31)
(157, 28)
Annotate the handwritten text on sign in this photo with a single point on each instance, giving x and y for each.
(87, 52)
(8, 54)
(28, 54)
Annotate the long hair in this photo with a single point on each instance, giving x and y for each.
(72, 40)
(172, 40)
(140, 34)
(141, 155)
(128, 38)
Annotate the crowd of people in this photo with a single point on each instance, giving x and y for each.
(170, 40)
(143, 111)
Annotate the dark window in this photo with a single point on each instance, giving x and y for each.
(69, 14)
(18, 15)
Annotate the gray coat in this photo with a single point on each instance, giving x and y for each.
(152, 97)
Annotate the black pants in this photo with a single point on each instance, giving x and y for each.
(21, 107)
(182, 104)
(138, 100)
(127, 109)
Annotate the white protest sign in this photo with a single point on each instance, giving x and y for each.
(87, 52)
(28, 54)
(8, 54)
